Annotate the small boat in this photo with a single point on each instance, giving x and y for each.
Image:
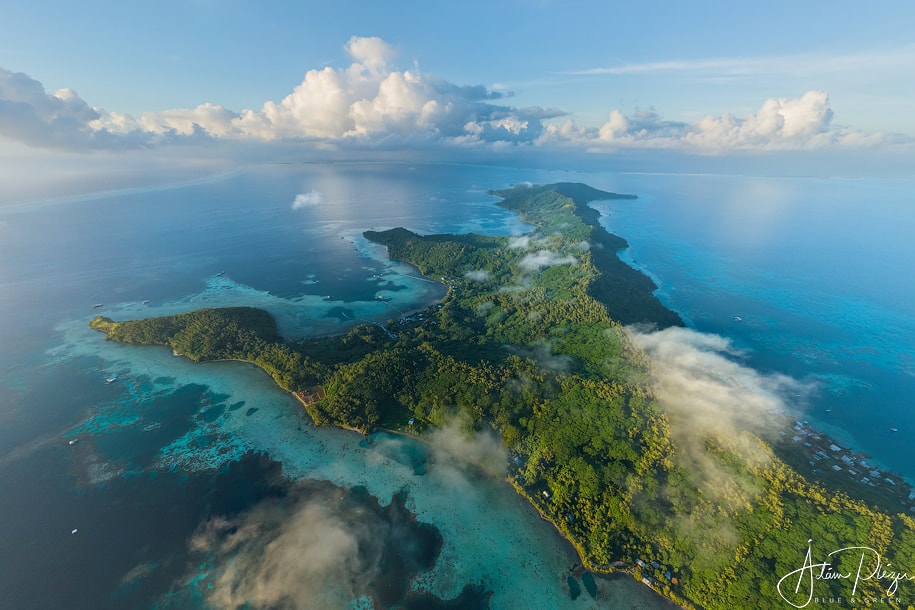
(74, 530)
(111, 379)
(738, 319)
(73, 442)
(829, 410)
(97, 305)
(894, 429)
(146, 302)
(221, 273)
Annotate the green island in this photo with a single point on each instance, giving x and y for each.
(531, 341)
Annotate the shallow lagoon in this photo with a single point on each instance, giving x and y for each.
(155, 445)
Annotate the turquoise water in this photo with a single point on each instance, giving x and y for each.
(814, 268)
(173, 453)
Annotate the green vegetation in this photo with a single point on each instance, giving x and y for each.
(232, 333)
(529, 342)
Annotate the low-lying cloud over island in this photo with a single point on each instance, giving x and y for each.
(708, 392)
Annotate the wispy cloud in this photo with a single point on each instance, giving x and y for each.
(478, 275)
(900, 59)
(727, 66)
(708, 392)
(283, 556)
(458, 445)
(712, 399)
(535, 261)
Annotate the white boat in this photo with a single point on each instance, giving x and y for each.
(74, 530)
(97, 305)
(894, 429)
(74, 441)
(111, 379)
(738, 319)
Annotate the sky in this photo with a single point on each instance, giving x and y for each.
(702, 78)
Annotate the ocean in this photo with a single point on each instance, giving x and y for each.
(807, 277)
(176, 461)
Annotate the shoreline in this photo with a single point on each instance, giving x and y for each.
(618, 567)
(611, 261)
(798, 418)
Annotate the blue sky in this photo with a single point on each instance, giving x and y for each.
(705, 77)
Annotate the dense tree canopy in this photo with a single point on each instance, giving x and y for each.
(529, 342)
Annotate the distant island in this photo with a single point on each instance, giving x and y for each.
(530, 342)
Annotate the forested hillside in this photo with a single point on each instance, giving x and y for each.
(529, 342)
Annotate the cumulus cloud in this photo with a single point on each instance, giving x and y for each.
(304, 200)
(61, 119)
(370, 102)
(778, 121)
(541, 259)
(367, 102)
(779, 124)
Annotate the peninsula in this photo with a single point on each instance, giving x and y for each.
(530, 341)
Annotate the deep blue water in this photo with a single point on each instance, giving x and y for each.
(816, 269)
(165, 452)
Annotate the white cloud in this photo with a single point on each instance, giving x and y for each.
(304, 200)
(281, 558)
(893, 60)
(616, 126)
(312, 546)
(365, 102)
(707, 391)
(215, 120)
(478, 275)
(779, 124)
(372, 52)
(456, 444)
(779, 121)
(520, 242)
(536, 261)
(371, 103)
(709, 396)
(60, 120)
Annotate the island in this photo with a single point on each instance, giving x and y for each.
(531, 342)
